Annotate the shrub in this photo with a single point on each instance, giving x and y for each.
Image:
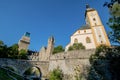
(56, 74)
(58, 49)
(76, 46)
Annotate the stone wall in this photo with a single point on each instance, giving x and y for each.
(77, 54)
(69, 61)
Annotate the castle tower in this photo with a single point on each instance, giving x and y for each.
(24, 41)
(98, 31)
(50, 47)
(45, 53)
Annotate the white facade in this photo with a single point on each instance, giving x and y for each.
(81, 36)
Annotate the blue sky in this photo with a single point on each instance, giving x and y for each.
(44, 18)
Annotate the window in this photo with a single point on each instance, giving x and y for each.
(84, 31)
(99, 35)
(95, 24)
(94, 19)
(75, 40)
(79, 31)
(88, 40)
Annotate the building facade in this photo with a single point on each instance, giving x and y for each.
(92, 34)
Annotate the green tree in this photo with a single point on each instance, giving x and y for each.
(76, 46)
(3, 50)
(114, 20)
(100, 69)
(58, 49)
(1, 43)
(115, 63)
(105, 64)
(13, 51)
(56, 74)
(22, 54)
(70, 48)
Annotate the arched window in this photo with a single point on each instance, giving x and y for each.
(75, 40)
(99, 35)
(88, 40)
(95, 24)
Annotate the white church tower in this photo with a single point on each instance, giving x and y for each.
(92, 34)
(99, 33)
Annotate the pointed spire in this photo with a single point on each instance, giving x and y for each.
(87, 6)
(51, 39)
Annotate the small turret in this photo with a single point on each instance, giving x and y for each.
(50, 45)
(51, 40)
(45, 52)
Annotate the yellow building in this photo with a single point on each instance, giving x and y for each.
(92, 34)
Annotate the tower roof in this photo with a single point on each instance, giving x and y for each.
(84, 27)
(88, 8)
(27, 34)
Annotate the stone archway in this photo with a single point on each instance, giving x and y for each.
(33, 73)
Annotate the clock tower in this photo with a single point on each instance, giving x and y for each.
(98, 31)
